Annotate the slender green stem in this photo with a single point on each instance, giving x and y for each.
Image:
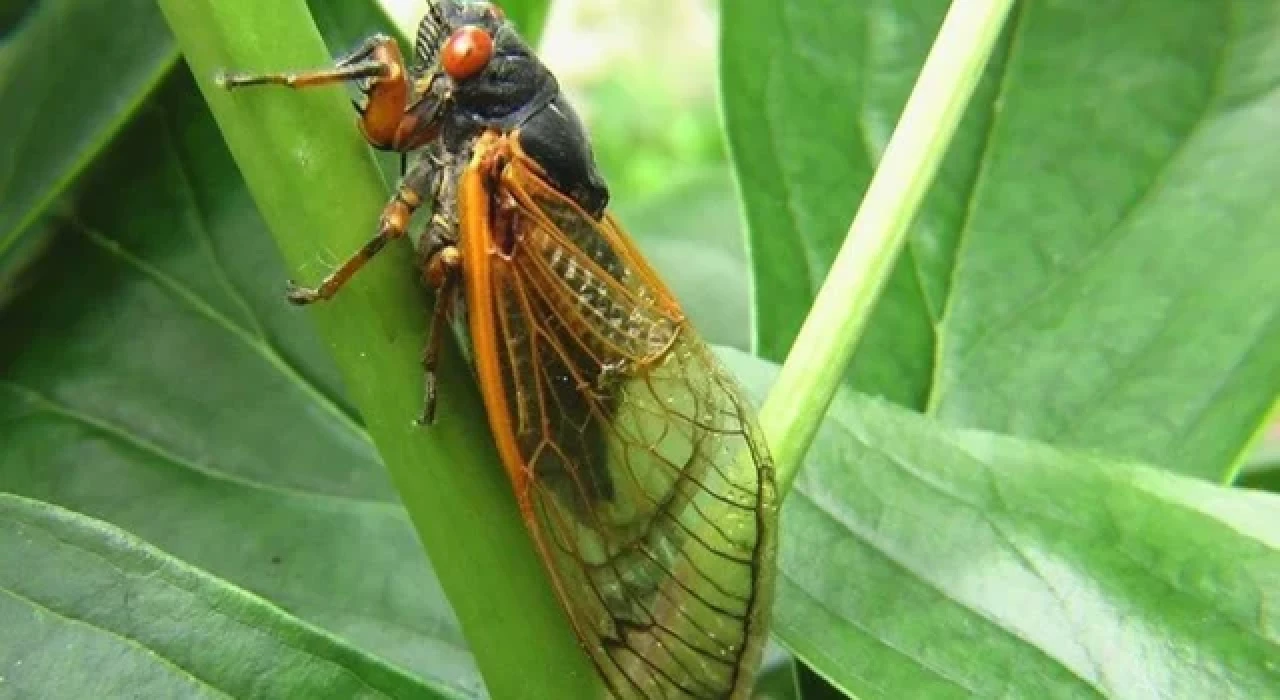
(826, 342)
(319, 189)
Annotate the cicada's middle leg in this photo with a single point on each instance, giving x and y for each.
(420, 182)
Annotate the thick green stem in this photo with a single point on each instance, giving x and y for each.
(317, 185)
(825, 344)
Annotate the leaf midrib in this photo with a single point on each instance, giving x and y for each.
(124, 436)
(159, 574)
(193, 301)
(1016, 28)
(87, 155)
(123, 638)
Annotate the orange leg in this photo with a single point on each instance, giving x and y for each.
(355, 71)
(393, 224)
(385, 119)
(362, 63)
(421, 182)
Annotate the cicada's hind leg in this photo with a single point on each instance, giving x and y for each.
(444, 272)
(420, 183)
(441, 269)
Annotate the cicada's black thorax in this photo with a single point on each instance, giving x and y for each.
(514, 93)
(555, 138)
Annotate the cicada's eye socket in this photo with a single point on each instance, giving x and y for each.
(466, 53)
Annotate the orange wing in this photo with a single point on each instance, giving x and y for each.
(635, 457)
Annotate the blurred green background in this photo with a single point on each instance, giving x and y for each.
(642, 73)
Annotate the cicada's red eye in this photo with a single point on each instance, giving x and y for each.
(466, 53)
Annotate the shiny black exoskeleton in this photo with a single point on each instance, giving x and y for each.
(515, 92)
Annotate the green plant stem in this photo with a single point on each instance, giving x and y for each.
(319, 189)
(826, 342)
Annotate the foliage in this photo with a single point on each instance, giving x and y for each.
(1080, 341)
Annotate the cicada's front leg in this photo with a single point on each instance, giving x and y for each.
(392, 117)
(387, 119)
(373, 58)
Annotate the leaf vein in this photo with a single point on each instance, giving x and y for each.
(964, 238)
(193, 301)
(126, 639)
(123, 436)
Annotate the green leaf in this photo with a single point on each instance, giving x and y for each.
(113, 53)
(1095, 266)
(811, 96)
(155, 379)
(842, 309)
(399, 613)
(102, 614)
(120, 53)
(11, 14)
(528, 16)
(924, 561)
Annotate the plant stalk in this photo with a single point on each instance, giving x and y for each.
(816, 364)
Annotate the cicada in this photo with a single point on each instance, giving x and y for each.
(635, 457)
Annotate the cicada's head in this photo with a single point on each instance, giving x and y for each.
(444, 17)
(477, 74)
(489, 73)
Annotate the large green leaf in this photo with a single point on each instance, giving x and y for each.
(527, 15)
(113, 52)
(12, 14)
(102, 614)
(1096, 264)
(116, 54)
(154, 379)
(923, 561)
(811, 95)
